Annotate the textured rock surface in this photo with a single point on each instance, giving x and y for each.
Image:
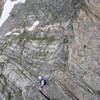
(63, 46)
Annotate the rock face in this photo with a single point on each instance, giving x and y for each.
(56, 38)
(1, 6)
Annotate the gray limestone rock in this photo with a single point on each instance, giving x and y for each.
(56, 38)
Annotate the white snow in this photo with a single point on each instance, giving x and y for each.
(8, 6)
(16, 33)
(22, 30)
(11, 33)
(8, 34)
(35, 24)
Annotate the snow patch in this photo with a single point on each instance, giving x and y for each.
(35, 24)
(8, 34)
(16, 34)
(8, 6)
(11, 33)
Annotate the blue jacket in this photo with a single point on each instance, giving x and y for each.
(43, 82)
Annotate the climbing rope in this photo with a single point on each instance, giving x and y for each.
(47, 97)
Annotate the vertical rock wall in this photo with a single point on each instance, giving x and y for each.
(63, 46)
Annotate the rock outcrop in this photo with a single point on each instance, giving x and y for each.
(55, 38)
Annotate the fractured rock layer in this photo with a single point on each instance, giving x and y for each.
(63, 46)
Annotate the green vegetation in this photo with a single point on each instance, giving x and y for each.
(51, 39)
(3, 82)
(25, 37)
(3, 47)
(3, 88)
(9, 96)
(19, 92)
(22, 37)
(3, 78)
(22, 23)
(2, 64)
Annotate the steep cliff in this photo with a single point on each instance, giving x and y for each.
(59, 39)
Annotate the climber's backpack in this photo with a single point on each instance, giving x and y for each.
(45, 80)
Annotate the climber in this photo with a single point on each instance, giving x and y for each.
(43, 82)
